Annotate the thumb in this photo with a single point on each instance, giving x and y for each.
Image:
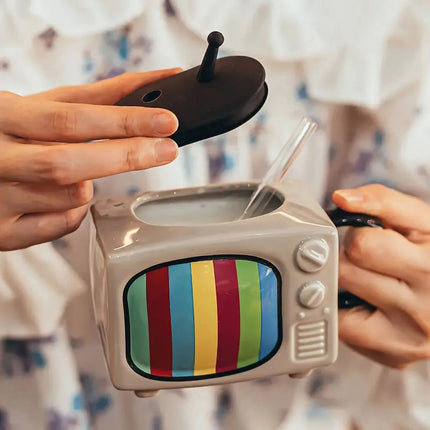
(393, 208)
(107, 91)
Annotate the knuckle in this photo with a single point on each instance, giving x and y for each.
(72, 220)
(377, 190)
(420, 321)
(418, 353)
(425, 352)
(52, 165)
(424, 323)
(128, 124)
(403, 301)
(378, 193)
(424, 270)
(80, 194)
(359, 247)
(64, 122)
(423, 256)
(399, 365)
(133, 158)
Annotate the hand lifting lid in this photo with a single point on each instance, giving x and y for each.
(210, 99)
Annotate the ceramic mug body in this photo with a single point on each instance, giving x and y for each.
(186, 293)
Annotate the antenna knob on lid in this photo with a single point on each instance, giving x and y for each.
(207, 69)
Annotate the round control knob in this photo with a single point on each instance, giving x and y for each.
(312, 294)
(312, 255)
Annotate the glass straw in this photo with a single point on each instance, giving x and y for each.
(288, 153)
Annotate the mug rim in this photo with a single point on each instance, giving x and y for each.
(205, 190)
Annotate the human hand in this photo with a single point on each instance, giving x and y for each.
(390, 269)
(46, 166)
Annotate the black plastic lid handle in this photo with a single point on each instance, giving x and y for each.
(211, 99)
(341, 218)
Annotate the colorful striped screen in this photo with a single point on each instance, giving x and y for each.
(203, 318)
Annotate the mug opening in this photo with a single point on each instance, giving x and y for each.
(212, 207)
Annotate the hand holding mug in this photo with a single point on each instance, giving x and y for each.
(390, 269)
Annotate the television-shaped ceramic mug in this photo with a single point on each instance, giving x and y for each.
(186, 293)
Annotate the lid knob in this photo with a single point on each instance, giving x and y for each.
(207, 69)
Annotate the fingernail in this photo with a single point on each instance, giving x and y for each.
(165, 150)
(163, 123)
(350, 195)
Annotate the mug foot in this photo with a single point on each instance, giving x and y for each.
(145, 394)
(300, 374)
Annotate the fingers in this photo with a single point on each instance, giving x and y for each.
(385, 252)
(392, 357)
(389, 269)
(24, 198)
(381, 291)
(33, 141)
(70, 122)
(100, 159)
(356, 327)
(38, 228)
(395, 209)
(375, 336)
(68, 164)
(107, 91)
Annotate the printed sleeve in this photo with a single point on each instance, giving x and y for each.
(33, 296)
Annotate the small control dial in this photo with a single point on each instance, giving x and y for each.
(312, 294)
(312, 255)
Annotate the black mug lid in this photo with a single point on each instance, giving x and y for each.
(210, 99)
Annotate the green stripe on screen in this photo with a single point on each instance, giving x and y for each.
(250, 312)
(139, 333)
